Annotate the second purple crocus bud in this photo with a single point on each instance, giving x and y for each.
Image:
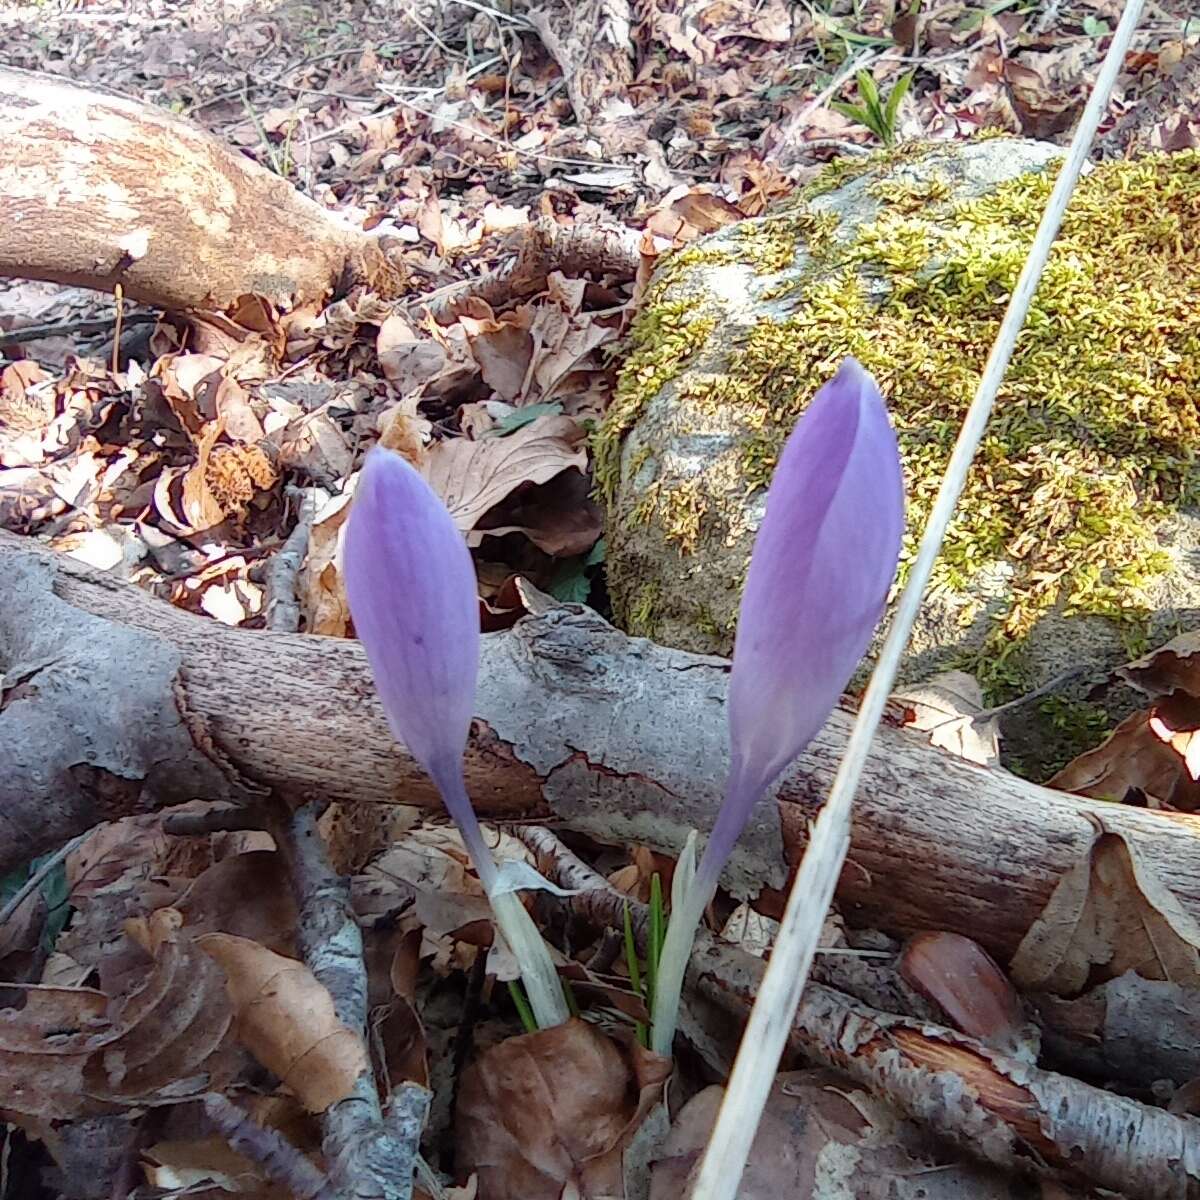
(411, 587)
(822, 565)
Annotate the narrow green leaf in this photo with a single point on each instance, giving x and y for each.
(893, 101)
(867, 89)
(631, 957)
(517, 992)
(521, 417)
(854, 111)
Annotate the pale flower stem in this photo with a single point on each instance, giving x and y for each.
(672, 966)
(775, 1007)
(538, 973)
(524, 939)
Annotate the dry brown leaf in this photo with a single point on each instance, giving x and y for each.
(960, 977)
(408, 362)
(182, 1167)
(1134, 760)
(160, 1025)
(503, 347)
(1173, 667)
(690, 212)
(315, 445)
(821, 1135)
(198, 509)
(1046, 88)
(319, 585)
(1109, 914)
(248, 895)
(286, 1019)
(473, 477)
(582, 1099)
(945, 707)
(558, 517)
(184, 380)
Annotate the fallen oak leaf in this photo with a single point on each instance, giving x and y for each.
(82, 1052)
(472, 477)
(583, 1099)
(287, 1020)
(1147, 754)
(1107, 915)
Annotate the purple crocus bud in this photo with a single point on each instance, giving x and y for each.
(823, 563)
(820, 572)
(410, 582)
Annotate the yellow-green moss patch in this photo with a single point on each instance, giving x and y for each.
(1093, 439)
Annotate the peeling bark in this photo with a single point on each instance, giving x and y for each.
(577, 723)
(99, 190)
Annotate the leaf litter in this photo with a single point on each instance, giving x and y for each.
(170, 451)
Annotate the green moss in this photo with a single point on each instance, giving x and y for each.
(843, 170)
(769, 245)
(641, 621)
(912, 196)
(663, 339)
(1066, 729)
(1093, 438)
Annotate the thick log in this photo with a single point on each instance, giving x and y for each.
(99, 190)
(577, 723)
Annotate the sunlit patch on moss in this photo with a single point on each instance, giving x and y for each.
(1093, 439)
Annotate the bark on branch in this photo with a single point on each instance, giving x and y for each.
(100, 190)
(577, 723)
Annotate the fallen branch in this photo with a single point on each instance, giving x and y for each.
(283, 605)
(371, 1149)
(83, 325)
(547, 246)
(116, 702)
(101, 190)
(1005, 1112)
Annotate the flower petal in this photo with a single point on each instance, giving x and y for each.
(823, 562)
(410, 582)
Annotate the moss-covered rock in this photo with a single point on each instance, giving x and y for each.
(1078, 537)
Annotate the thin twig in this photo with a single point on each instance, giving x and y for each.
(283, 604)
(39, 876)
(267, 1148)
(812, 890)
(32, 333)
(371, 1152)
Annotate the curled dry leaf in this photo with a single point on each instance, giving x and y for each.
(1135, 759)
(582, 1099)
(429, 867)
(319, 586)
(1109, 914)
(961, 977)
(80, 1052)
(472, 477)
(945, 707)
(822, 1135)
(286, 1019)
